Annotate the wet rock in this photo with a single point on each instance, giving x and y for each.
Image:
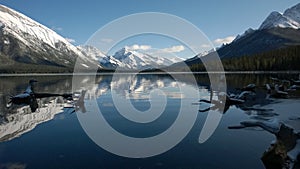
(285, 151)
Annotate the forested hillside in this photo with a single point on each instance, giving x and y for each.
(275, 60)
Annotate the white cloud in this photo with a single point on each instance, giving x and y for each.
(107, 40)
(70, 40)
(139, 47)
(225, 40)
(174, 49)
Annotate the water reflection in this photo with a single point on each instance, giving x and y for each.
(25, 111)
(139, 87)
(23, 120)
(246, 99)
(284, 152)
(129, 86)
(243, 102)
(33, 106)
(22, 116)
(223, 100)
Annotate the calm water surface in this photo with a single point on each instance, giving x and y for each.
(52, 137)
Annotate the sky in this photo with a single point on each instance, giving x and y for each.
(220, 21)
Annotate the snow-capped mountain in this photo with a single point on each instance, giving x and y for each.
(18, 24)
(23, 40)
(131, 59)
(103, 59)
(289, 19)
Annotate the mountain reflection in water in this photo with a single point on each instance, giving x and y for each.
(247, 144)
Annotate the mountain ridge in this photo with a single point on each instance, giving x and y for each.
(289, 19)
(268, 37)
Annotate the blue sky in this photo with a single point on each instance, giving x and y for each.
(78, 20)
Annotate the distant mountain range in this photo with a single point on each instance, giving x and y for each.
(28, 46)
(127, 59)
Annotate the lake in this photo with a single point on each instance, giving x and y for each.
(56, 136)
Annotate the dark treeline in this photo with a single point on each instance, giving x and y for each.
(285, 59)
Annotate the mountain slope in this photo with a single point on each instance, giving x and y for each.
(261, 41)
(25, 42)
(256, 42)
